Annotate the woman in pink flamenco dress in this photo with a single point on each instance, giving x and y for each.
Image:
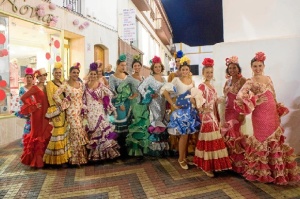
(234, 140)
(210, 153)
(35, 143)
(267, 158)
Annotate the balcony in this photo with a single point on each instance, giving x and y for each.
(142, 5)
(74, 5)
(163, 31)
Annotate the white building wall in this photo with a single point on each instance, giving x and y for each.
(255, 19)
(269, 26)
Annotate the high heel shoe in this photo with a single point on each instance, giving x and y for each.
(183, 165)
(209, 174)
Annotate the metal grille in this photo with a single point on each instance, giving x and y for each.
(74, 5)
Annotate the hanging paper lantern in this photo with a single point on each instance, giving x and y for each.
(48, 56)
(2, 95)
(75, 22)
(58, 59)
(3, 83)
(52, 6)
(2, 38)
(56, 44)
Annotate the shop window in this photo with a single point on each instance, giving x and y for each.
(4, 67)
(25, 45)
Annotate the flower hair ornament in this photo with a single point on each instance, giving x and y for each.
(185, 60)
(260, 56)
(232, 60)
(58, 65)
(208, 62)
(137, 58)
(29, 71)
(179, 54)
(77, 65)
(155, 60)
(122, 57)
(93, 66)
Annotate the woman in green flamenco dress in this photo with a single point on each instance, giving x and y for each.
(137, 140)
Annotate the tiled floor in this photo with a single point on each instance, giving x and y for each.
(152, 178)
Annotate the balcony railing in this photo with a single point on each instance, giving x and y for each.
(74, 5)
(163, 31)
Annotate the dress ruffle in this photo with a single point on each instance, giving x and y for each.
(34, 148)
(236, 144)
(78, 139)
(184, 121)
(137, 140)
(102, 142)
(271, 160)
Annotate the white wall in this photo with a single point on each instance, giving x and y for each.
(257, 19)
(282, 65)
(104, 11)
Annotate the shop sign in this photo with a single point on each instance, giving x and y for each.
(28, 10)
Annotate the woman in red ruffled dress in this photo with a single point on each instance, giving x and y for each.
(210, 153)
(234, 140)
(267, 158)
(35, 143)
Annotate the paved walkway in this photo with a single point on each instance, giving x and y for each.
(152, 178)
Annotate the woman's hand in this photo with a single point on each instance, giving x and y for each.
(133, 96)
(241, 118)
(122, 108)
(154, 96)
(175, 106)
(38, 105)
(261, 100)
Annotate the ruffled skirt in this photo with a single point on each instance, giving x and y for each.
(271, 160)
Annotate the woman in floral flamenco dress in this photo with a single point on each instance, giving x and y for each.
(73, 89)
(97, 98)
(211, 153)
(231, 132)
(267, 158)
(36, 141)
(150, 91)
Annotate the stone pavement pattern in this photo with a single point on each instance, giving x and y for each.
(153, 178)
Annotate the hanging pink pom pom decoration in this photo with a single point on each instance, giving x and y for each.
(52, 24)
(75, 22)
(2, 38)
(52, 6)
(86, 24)
(56, 44)
(41, 13)
(48, 56)
(81, 27)
(69, 6)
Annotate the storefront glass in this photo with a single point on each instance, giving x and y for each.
(29, 45)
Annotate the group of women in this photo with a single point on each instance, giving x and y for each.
(92, 121)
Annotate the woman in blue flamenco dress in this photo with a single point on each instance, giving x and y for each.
(184, 120)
